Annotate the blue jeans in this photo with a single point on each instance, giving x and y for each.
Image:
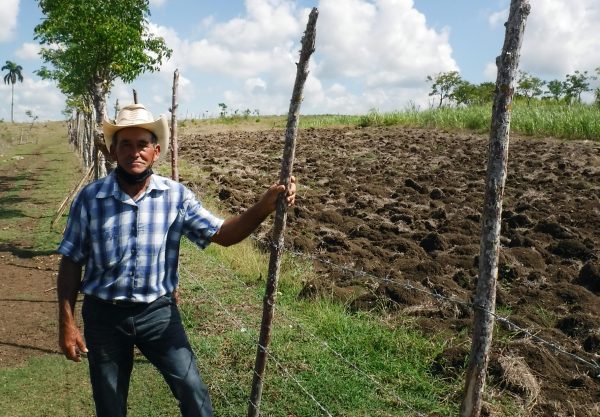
(112, 331)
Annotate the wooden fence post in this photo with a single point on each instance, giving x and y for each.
(173, 141)
(277, 243)
(485, 297)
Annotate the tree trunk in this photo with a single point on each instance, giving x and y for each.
(485, 297)
(174, 144)
(103, 158)
(308, 47)
(12, 103)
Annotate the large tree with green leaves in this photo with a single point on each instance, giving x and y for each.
(90, 44)
(11, 77)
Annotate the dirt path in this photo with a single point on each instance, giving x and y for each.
(27, 275)
(27, 307)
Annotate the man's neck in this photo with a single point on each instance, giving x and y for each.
(133, 190)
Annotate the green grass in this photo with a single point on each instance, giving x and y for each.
(560, 121)
(36, 173)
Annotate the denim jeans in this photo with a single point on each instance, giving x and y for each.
(112, 331)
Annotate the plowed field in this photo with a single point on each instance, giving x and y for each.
(393, 214)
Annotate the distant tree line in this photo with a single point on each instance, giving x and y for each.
(449, 88)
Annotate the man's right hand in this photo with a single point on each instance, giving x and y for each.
(70, 341)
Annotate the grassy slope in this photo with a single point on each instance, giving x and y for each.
(317, 345)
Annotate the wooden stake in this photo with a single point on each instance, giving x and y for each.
(70, 196)
(173, 141)
(308, 47)
(485, 297)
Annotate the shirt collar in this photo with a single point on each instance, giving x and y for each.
(110, 187)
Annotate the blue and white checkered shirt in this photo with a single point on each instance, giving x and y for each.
(131, 248)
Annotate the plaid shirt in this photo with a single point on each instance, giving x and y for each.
(131, 248)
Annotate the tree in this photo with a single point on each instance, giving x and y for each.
(576, 84)
(555, 89)
(90, 44)
(443, 85)
(464, 93)
(529, 86)
(12, 76)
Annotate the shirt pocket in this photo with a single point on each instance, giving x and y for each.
(108, 245)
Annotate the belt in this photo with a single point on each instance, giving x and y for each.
(119, 303)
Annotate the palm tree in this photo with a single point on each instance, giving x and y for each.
(12, 76)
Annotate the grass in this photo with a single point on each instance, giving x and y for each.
(35, 172)
(543, 119)
(560, 121)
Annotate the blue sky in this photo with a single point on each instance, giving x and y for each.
(370, 54)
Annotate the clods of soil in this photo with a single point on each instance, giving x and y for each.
(394, 215)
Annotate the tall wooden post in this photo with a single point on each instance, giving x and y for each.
(308, 47)
(485, 297)
(134, 96)
(173, 141)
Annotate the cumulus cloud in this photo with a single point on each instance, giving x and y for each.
(40, 97)
(9, 9)
(386, 43)
(378, 55)
(560, 37)
(28, 50)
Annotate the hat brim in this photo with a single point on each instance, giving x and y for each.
(159, 127)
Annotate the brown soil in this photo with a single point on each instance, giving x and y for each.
(27, 307)
(403, 206)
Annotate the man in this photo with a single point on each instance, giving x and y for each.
(126, 230)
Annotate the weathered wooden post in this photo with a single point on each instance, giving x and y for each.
(173, 141)
(308, 47)
(134, 96)
(485, 297)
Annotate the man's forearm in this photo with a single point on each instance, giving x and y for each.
(67, 285)
(237, 228)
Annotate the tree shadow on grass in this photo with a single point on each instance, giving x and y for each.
(24, 252)
(29, 347)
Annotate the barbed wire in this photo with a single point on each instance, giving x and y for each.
(240, 323)
(350, 364)
(196, 348)
(437, 296)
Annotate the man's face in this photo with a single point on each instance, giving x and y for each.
(134, 150)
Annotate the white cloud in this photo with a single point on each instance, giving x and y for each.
(41, 97)
(157, 3)
(386, 43)
(561, 37)
(490, 72)
(498, 18)
(377, 56)
(9, 9)
(28, 50)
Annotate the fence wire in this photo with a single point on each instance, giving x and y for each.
(242, 325)
(438, 297)
(296, 322)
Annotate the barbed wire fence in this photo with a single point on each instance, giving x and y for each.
(407, 284)
(381, 387)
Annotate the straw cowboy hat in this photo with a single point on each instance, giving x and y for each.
(136, 115)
